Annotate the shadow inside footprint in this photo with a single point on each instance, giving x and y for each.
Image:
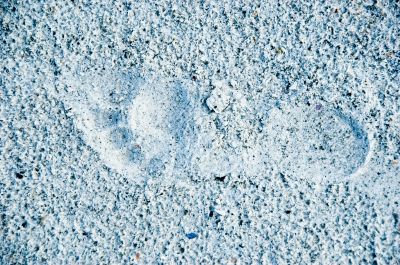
(135, 154)
(110, 118)
(121, 137)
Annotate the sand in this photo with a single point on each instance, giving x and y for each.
(207, 132)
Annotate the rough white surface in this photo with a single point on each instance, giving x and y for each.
(314, 142)
(202, 132)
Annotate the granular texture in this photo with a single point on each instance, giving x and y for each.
(199, 132)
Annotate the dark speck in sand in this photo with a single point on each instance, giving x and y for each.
(191, 235)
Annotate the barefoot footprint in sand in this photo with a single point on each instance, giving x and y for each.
(138, 126)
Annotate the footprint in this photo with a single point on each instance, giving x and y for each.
(138, 126)
(148, 126)
(315, 143)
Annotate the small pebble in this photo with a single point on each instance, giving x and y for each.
(19, 175)
(191, 235)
